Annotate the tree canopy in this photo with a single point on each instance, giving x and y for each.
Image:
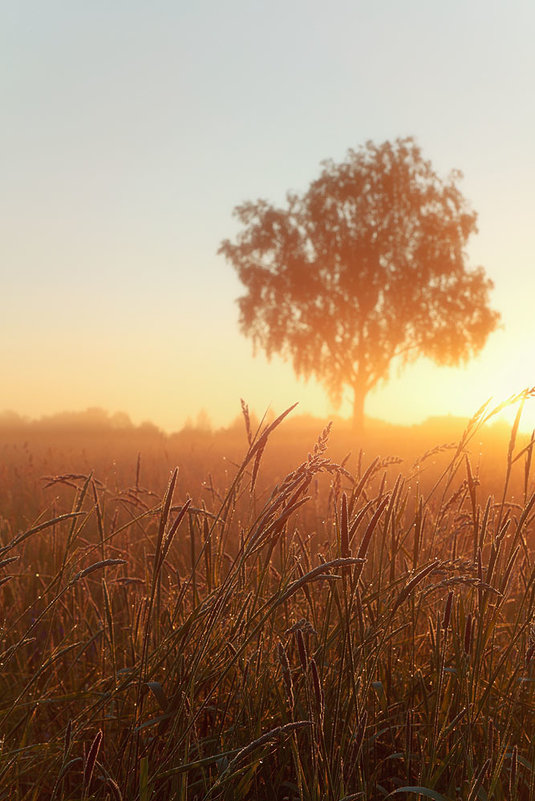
(365, 269)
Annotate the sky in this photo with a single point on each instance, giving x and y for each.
(131, 130)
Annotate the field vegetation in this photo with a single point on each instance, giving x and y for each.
(277, 610)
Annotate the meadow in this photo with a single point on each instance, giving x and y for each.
(277, 610)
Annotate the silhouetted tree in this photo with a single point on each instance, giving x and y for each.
(366, 268)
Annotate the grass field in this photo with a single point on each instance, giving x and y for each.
(278, 625)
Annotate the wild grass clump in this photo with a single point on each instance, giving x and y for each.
(346, 635)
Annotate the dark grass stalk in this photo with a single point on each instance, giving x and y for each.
(154, 593)
(510, 451)
(527, 465)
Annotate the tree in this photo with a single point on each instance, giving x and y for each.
(366, 269)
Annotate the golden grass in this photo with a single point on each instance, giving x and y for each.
(356, 630)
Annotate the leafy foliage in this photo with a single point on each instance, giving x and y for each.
(366, 267)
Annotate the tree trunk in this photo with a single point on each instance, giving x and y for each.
(359, 396)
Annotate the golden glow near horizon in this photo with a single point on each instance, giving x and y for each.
(122, 171)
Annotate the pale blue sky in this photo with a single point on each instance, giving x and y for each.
(130, 131)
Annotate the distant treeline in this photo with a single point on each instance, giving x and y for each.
(120, 453)
(96, 418)
(89, 419)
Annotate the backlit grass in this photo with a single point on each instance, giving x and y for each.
(348, 632)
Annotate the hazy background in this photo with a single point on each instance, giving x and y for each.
(130, 131)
